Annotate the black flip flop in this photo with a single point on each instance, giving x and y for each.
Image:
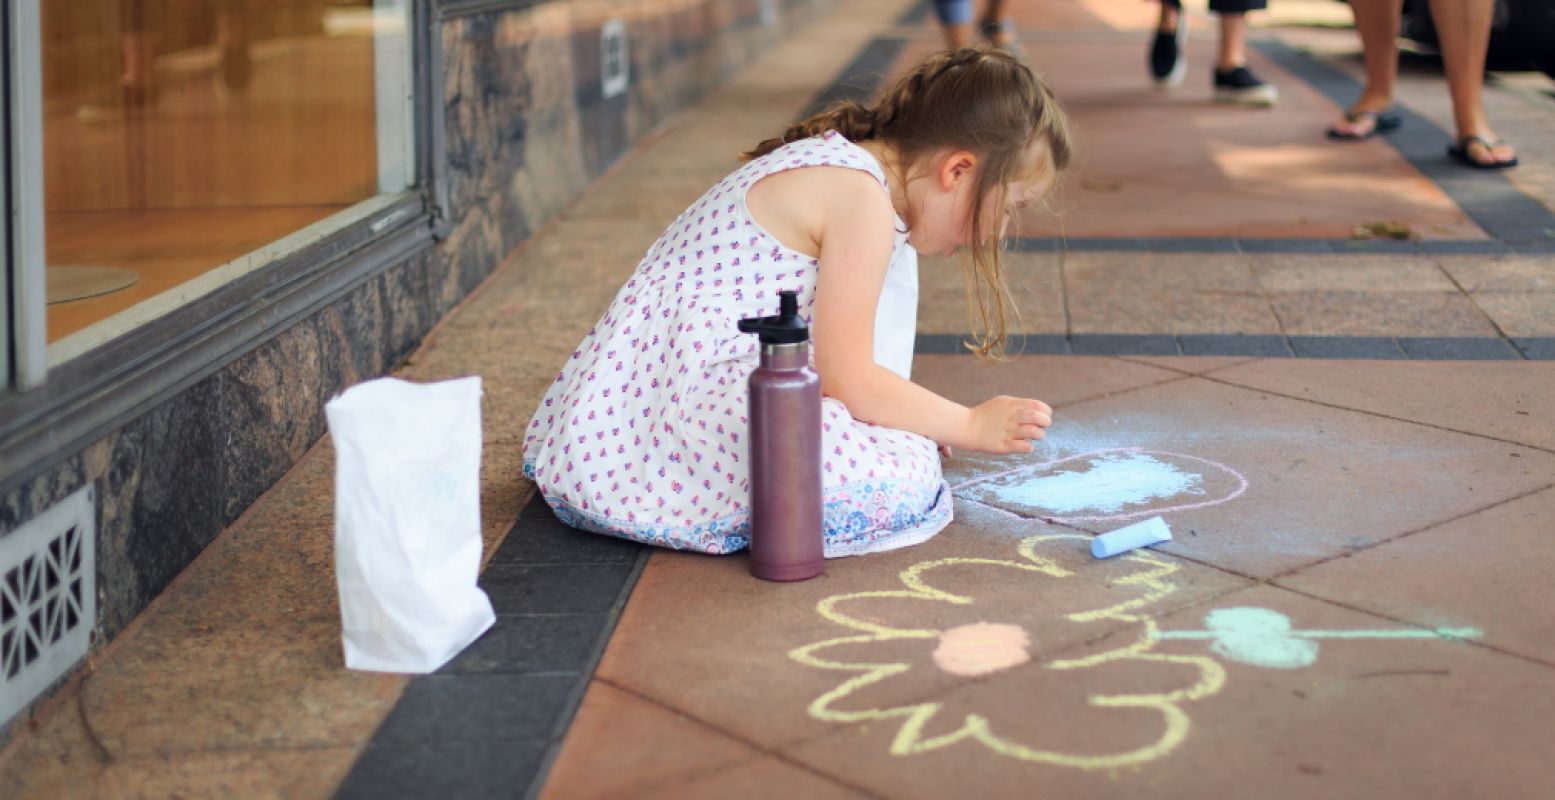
(1382, 122)
(1460, 153)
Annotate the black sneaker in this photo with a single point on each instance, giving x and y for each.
(1240, 86)
(1168, 62)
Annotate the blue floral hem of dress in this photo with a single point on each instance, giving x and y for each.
(861, 517)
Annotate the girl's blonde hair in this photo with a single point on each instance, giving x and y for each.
(981, 101)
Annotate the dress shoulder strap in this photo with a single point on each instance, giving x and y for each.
(830, 149)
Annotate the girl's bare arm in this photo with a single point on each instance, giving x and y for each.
(842, 216)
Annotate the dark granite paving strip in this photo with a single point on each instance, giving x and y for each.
(1319, 246)
(1459, 349)
(1489, 198)
(490, 722)
(1374, 347)
(1223, 344)
(1124, 344)
(1040, 344)
(1015, 344)
(444, 770)
(1469, 247)
(1541, 349)
(1486, 348)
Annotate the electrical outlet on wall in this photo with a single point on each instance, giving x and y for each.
(615, 72)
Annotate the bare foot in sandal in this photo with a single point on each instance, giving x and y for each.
(1368, 116)
(1483, 152)
(1363, 123)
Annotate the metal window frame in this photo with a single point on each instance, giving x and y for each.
(450, 9)
(44, 422)
(25, 293)
(7, 339)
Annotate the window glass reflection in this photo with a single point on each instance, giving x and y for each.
(182, 134)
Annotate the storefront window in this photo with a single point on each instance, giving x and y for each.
(190, 141)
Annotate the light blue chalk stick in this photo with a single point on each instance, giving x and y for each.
(1141, 534)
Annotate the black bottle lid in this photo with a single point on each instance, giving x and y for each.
(785, 328)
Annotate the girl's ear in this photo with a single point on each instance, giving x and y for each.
(957, 166)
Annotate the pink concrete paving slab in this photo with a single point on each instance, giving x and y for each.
(1224, 273)
(1055, 381)
(1193, 365)
(1216, 170)
(1370, 717)
(1036, 288)
(1295, 272)
(615, 748)
(1489, 570)
(1095, 308)
(1504, 274)
(1338, 313)
(1500, 400)
(1165, 293)
(1520, 314)
(703, 637)
(1070, 17)
(1131, 202)
(1420, 88)
(1318, 480)
(760, 779)
(1376, 715)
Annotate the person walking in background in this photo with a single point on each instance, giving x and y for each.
(955, 23)
(1234, 81)
(1463, 31)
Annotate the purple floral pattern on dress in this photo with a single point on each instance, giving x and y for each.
(643, 433)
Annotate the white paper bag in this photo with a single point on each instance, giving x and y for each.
(407, 522)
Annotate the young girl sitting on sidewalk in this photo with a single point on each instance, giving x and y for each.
(643, 435)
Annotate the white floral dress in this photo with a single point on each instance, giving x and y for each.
(643, 435)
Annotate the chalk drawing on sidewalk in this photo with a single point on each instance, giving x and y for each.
(1151, 581)
(1001, 652)
(1111, 485)
(1264, 638)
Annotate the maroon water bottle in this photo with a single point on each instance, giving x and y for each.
(785, 449)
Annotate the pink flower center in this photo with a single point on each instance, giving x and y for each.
(981, 648)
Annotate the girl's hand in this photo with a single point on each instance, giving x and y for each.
(1009, 424)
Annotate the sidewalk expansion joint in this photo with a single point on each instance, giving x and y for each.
(1259, 345)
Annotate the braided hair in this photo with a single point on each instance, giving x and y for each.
(980, 100)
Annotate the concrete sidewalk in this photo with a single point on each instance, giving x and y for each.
(1353, 604)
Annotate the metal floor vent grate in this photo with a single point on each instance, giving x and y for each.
(48, 599)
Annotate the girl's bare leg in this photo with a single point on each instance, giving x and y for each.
(1463, 29)
(1377, 23)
